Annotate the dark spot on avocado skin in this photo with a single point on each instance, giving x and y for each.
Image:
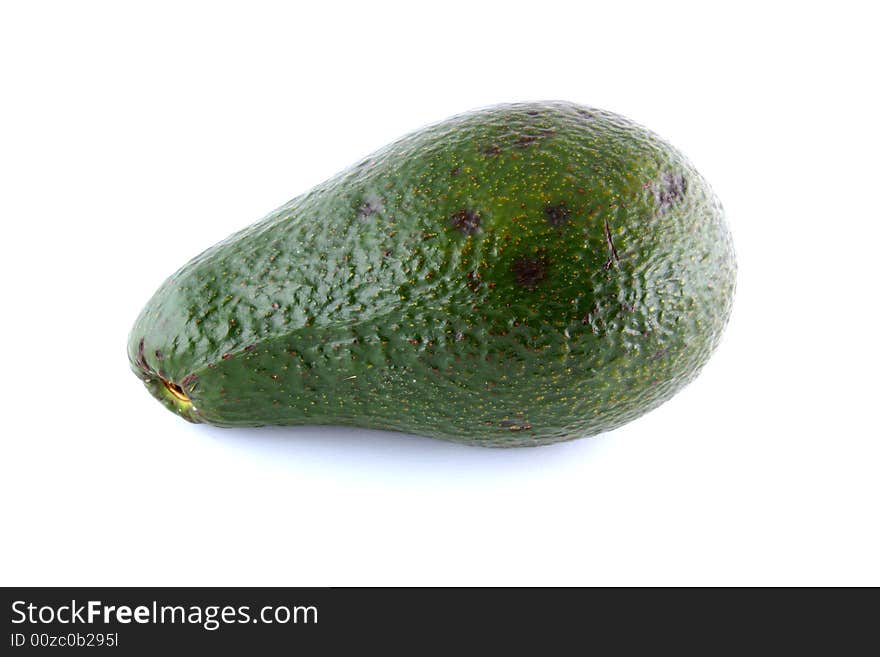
(659, 354)
(370, 206)
(612, 250)
(529, 271)
(557, 215)
(524, 141)
(671, 189)
(188, 380)
(493, 150)
(141, 357)
(159, 355)
(466, 221)
(515, 425)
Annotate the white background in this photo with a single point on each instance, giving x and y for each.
(133, 135)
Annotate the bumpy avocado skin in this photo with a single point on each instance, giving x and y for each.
(518, 275)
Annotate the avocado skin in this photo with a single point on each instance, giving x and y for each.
(517, 275)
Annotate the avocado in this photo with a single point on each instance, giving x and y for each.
(517, 275)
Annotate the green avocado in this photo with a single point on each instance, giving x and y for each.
(517, 275)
